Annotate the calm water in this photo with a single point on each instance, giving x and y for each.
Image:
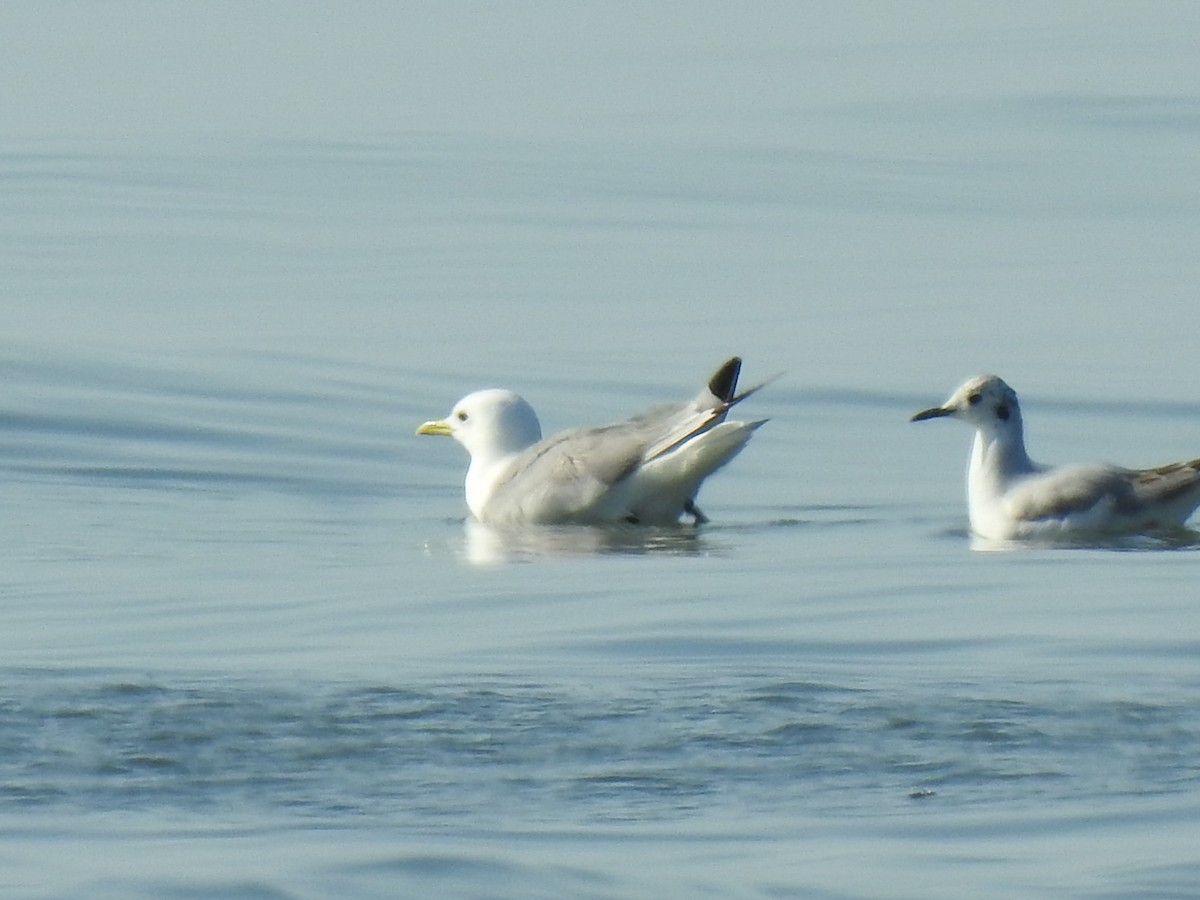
(249, 647)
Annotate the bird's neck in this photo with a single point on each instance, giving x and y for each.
(482, 475)
(996, 459)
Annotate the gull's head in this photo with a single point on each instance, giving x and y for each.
(984, 402)
(490, 424)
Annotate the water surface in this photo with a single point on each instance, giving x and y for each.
(249, 644)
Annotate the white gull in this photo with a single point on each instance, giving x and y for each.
(1011, 497)
(645, 470)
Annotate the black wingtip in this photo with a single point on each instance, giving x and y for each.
(723, 384)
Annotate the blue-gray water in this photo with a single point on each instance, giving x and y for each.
(249, 647)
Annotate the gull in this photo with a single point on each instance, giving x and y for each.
(1010, 497)
(645, 470)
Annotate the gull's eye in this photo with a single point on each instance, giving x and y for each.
(974, 398)
(1002, 412)
(461, 416)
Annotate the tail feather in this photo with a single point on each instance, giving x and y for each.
(717, 446)
(665, 485)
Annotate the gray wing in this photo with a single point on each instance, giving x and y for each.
(1127, 492)
(1166, 484)
(567, 475)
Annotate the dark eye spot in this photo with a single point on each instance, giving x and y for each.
(462, 416)
(1002, 412)
(974, 398)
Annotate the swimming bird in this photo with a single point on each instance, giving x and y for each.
(1009, 496)
(645, 470)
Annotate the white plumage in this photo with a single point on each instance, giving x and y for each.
(1011, 497)
(645, 470)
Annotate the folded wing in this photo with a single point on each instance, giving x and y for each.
(1162, 496)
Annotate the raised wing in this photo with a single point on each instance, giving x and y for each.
(571, 476)
(671, 426)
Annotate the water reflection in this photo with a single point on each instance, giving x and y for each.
(487, 545)
(1169, 539)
